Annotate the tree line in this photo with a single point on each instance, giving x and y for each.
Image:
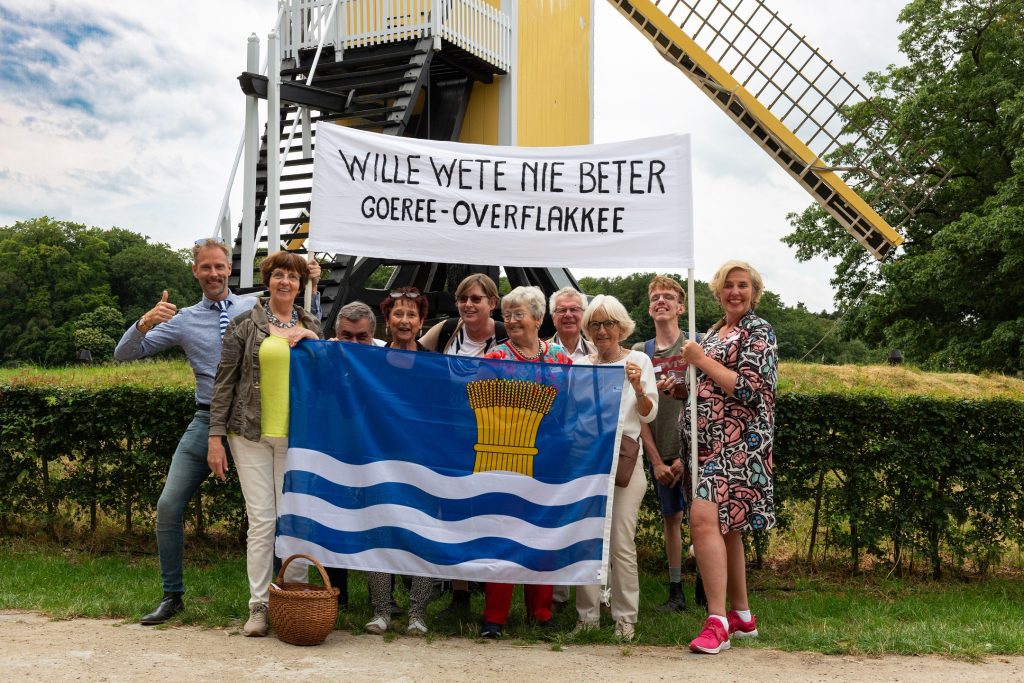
(951, 298)
(69, 287)
(73, 287)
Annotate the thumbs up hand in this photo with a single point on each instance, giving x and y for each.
(161, 313)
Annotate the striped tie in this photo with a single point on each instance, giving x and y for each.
(224, 320)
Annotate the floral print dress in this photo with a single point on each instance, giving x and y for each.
(549, 353)
(735, 433)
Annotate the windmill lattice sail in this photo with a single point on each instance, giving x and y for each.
(794, 103)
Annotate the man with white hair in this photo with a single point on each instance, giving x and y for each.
(566, 307)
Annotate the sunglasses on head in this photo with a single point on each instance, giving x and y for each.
(475, 298)
(208, 240)
(411, 294)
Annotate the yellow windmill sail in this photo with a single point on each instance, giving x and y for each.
(790, 99)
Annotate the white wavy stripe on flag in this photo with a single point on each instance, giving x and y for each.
(436, 484)
(393, 561)
(440, 531)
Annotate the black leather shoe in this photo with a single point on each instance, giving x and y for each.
(168, 607)
(676, 600)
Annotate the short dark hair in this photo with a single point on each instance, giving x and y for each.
(285, 261)
(389, 301)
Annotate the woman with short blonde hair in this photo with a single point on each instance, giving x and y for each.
(736, 379)
(608, 325)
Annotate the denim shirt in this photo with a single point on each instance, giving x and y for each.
(196, 329)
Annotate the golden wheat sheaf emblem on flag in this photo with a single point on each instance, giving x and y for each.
(508, 414)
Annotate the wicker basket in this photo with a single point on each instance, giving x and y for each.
(303, 613)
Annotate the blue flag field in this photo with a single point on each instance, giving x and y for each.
(434, 465)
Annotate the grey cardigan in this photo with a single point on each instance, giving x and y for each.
(235, 407)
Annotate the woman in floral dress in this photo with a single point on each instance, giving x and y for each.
(736, 378)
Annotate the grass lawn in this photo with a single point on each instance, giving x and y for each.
(828, 613)
(793, 378)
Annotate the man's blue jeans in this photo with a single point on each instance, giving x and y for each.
(187, 472)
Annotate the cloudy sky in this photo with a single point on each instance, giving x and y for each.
(128, 114)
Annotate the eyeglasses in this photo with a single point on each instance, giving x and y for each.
(412, 294)
(573, 310)
(667, 296)
(208, 240)
(595, 325)
(475, 298)
(517, 316)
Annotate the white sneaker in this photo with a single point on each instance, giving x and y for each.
(377, 625)
(257, 625)
(625, 631)
(416, 627)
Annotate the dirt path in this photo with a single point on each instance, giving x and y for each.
(34, 648)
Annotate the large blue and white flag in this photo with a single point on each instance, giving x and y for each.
(434, 465)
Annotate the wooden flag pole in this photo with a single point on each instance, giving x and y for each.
(691, 378)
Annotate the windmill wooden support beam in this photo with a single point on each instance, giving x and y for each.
(763, 126)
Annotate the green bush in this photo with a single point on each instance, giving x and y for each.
(67, 454)
(890, 477)
(939, 477)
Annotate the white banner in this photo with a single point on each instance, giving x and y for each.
(616, 205)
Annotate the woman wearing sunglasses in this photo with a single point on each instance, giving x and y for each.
(404, 310)
(473, 333)
(523, 312)
(608, 324)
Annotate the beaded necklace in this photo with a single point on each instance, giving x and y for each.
(275, 321)
(597, 357)
(519, 351)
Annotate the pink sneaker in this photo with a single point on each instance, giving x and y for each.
(742, 629)
(712, 640)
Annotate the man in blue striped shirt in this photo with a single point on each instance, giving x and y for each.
(197, 330)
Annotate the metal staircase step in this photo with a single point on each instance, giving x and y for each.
(357, 60)
(298, 161)
(336, 79)
(293, 148)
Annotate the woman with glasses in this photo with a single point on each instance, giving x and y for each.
(473, 333)
(250, 407)
(523, 312)
(404, 311)
(608, 324)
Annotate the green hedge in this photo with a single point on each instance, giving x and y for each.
(898, 477)
(68, 454)
(934, 479)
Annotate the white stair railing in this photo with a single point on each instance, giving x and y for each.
(473, 25)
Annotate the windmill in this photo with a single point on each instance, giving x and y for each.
(502, 72)
(434, 69)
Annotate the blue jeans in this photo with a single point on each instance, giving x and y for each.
(187, 473)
